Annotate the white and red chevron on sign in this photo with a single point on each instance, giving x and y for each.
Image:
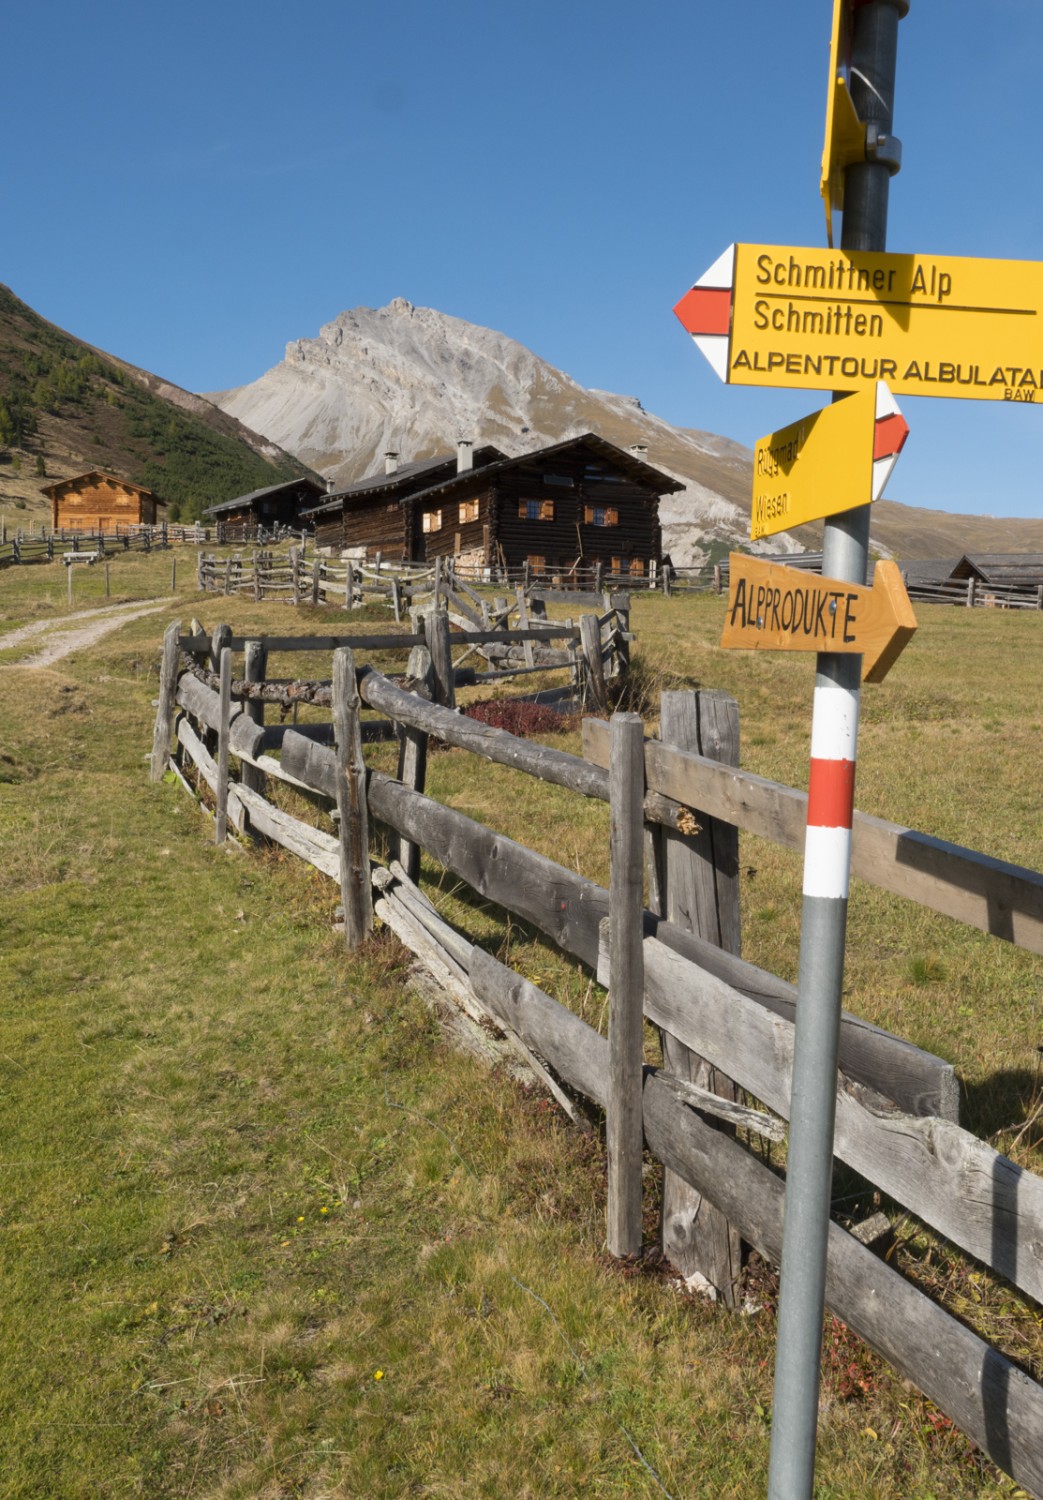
(889, 437)
(706, 311)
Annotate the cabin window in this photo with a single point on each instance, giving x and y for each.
(536, 510)
(562, 480)
(432, 520)
(637, 567)
(468, 511)
(536, 563)
(601, 515)
(621, 565)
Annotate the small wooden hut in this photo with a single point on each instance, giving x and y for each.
(277, 505)
(100, 502)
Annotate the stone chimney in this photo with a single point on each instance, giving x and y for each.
(330, 484)
(390, 461)
(464, 455)
(639, 450)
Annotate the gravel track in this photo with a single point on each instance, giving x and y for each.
(61, 641)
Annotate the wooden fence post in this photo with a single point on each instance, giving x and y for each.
(623, 1117)
(700, 878)
(255, 670)
(970, 592)
(523, 622)
(218, 641)
(412, 754)
(295, 577)
(316, 575)
(349, 585)
(590, 639)
(436, 633)
(221, 817)
(165, 710)
(355, 888)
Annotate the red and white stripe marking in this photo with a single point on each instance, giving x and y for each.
(831, 792)
(888, 438)
(706, 311)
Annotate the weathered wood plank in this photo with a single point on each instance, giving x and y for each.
(568, 907)
(996, 1404)
(436, 633)
(164, 727)
(221, 815)
(977, 1198)
(917, 1081)
(412, 756)
(493, 744)
(623, 1134)
(197, 644)
(255, 657)
(310, 844)
(701, 893)
(590, 638)
(198, 700)
(1003, 899)
(356, 889)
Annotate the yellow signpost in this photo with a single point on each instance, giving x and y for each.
(929, 325)
(845, 133)
(775, 608)
(837, 458)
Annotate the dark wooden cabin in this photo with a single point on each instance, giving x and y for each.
(372, 515)
(582, 502)
(278, 505)
(575, 504)
(100, 502)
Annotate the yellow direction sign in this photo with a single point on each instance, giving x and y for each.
(845, 133)
(774, 608)
(837, 458)
(842, 320)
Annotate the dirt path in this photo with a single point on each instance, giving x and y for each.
(63, 640)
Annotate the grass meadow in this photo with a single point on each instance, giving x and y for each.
(266, 1234)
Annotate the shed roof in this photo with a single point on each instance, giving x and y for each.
(404, 475)
(64, 484)
(244, 502)
(1010, 568)
(643, 473)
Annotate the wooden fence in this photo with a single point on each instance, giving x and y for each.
(726, 1024)
(970, 593)
(52, 546)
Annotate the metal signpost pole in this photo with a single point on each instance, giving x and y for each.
(828, 849)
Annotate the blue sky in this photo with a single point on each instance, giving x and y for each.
(191, 187)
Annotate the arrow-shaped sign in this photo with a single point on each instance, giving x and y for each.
(845, 133)
(837, 458)
(840, 320)
(775, 608)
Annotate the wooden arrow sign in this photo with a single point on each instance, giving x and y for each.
(837, 458)
(775, 608)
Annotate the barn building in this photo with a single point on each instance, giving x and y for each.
(580, 502)
(101, 502)
(277, 506)
(373, 514)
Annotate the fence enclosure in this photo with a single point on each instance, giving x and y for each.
(727, 1026)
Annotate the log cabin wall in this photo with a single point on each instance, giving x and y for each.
(99, 502)
(551, 510)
